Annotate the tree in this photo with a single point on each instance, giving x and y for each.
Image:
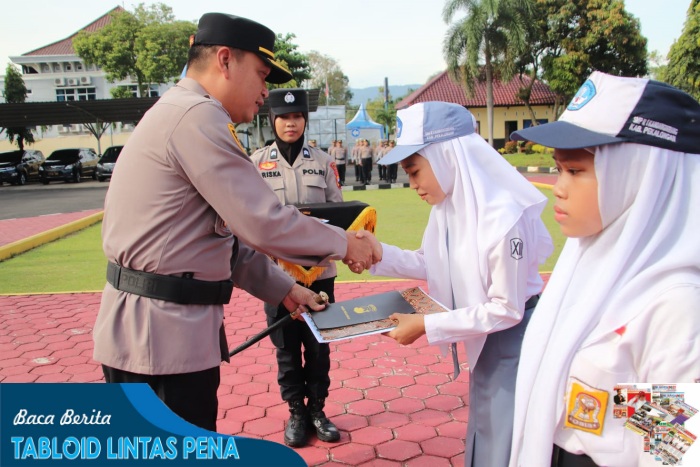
(683, 69)
(492, 30)
(297, 63)
(656, 65)
(16, 93)
(582, 36)
(325, 68)
(383, 112)
(149, 46)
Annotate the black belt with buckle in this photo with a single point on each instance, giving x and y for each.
(181, 290)
(532, 301)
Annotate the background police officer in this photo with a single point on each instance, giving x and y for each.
(300, 174)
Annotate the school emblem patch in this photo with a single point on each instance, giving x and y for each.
(267, 165)
(583, 96)
(585, 407)
(516, 248)
(232, 129)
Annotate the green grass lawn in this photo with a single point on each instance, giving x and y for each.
(530, 160)
(76, 263)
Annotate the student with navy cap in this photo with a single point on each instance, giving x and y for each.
(184, 194)
(300, 174)
(623, 302)
(480, 255)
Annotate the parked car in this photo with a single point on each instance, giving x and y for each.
(105, 166)
(18, 167)
(69, 165)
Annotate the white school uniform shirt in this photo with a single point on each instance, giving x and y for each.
(622, 306)
(481, 246)
(510, 283)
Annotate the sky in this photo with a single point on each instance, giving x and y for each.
(370, 39)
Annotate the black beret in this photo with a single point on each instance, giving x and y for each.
(285, 101)
(242, 33)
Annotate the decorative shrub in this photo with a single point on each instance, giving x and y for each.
(511, 147)
(538, 148)
(527, 147)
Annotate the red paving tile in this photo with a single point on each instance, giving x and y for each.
(12, 230)
(395, 405)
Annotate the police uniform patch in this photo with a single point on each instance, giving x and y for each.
(585, 407)
(232, 129)
(337, 175)
(306, 153)
(267, 165)
(273, 154)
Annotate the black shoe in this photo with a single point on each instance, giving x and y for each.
(325, 429)
(295, 432)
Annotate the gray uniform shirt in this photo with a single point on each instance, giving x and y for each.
(183, 187)
(338, 154)
(311, 179)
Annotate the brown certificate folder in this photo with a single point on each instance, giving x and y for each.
(368, 315)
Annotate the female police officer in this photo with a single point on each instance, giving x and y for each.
(299, 174)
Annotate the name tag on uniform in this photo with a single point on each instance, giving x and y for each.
(585, 407)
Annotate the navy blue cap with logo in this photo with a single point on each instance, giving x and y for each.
(612, 109)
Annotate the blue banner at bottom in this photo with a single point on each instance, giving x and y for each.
(115, 424)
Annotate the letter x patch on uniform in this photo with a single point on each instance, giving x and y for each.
(516, 248)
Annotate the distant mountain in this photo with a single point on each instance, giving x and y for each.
(362, 95)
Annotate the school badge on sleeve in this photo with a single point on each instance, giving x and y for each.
(585, 407)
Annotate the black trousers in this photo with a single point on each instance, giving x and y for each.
(341, 173)
(358, 172)
(308, 378)
(393, 172)
(367, 170)
(382, 171)
(192, 396)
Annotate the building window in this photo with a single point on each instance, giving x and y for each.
(152, 90)
(76, 94)
(528, 123)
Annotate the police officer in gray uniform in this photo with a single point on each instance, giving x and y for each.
(299, 174)
(339, 154)
(182, 195)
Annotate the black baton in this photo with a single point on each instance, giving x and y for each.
(262, 334)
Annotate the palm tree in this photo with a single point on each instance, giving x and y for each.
(486, 43)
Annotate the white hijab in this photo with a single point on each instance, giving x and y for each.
(647, 197)
(486, 197)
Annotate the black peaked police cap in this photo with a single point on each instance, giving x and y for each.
(242, 33)
(284, 101)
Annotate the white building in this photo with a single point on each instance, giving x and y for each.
(54, 72)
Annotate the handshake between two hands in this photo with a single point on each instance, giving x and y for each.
(364, 250)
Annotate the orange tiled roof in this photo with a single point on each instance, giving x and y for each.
(442, 88)
(65, 46)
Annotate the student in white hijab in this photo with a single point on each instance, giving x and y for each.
(623, 302)
(480, 255)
